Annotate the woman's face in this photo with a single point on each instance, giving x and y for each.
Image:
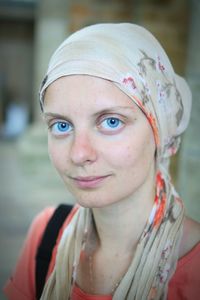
(99, 141)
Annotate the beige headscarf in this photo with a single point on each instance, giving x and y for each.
(130, 57)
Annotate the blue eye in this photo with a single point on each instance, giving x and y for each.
(60, 128)
(111, 123)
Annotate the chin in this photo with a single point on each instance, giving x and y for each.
(92, 201)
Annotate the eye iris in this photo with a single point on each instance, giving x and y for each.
(62, 126)
(113, 122)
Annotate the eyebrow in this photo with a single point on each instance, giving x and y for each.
(54, 115)
(104, 111)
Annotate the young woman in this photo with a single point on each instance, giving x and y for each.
(115, 110)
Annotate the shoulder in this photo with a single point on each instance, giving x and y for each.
(39, 224)
(185, 282)
(43, 217)
(191, 236)
(21, 284)
(62, 218)
(35, 233)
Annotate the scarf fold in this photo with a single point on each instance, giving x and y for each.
(130, 57)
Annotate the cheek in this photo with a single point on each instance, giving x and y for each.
(135, 152)
(147, 148)
(56, 154)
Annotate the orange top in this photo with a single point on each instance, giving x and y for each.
(185, 283)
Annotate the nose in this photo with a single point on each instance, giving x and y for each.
(83, 150)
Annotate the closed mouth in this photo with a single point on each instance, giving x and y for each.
(88, 181)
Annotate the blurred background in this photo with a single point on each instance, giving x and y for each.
(30, 30)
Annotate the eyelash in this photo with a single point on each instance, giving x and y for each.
(102, 124)
(54, 127)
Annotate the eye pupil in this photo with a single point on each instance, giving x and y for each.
(112, 122)
(62, 126)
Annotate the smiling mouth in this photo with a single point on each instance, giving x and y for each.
(89, 181)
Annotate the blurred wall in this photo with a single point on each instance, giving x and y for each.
(16, 60)
(189, 157)
(16, 54)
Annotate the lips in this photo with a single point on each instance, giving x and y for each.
(89, 181)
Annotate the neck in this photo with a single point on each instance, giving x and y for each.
(120, 225)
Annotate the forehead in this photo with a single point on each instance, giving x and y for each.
(85, 92)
